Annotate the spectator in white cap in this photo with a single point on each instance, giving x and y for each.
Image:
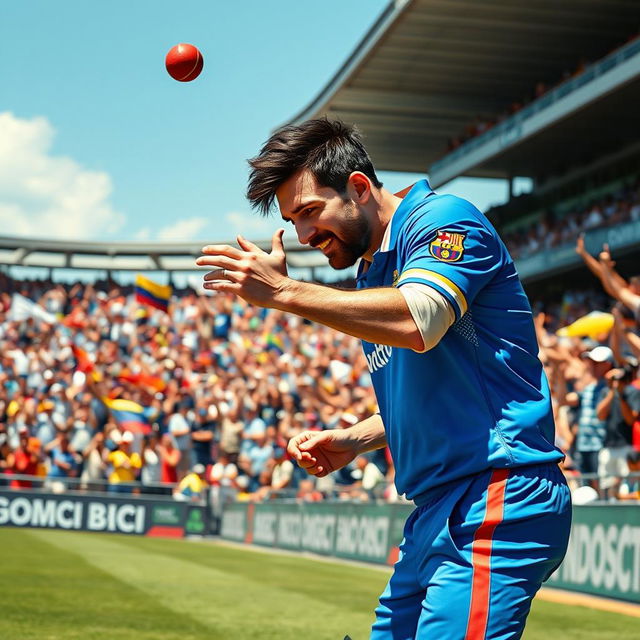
(589, 429)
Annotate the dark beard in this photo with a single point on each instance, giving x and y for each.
(354, 241)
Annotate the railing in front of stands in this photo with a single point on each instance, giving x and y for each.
(79, 485)
(549, 261)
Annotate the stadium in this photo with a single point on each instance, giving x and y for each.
(145, 486)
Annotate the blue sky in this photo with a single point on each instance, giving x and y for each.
(97, 142)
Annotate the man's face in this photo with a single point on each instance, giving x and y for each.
(325, 219)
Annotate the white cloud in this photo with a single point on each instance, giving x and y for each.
(142, 235)
(197, 228)
(187, 229)
(47, 196)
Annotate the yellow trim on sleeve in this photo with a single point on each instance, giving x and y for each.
(438, 278)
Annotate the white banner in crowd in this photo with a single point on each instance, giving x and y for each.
(22, 309)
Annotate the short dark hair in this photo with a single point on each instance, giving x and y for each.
(330, 149)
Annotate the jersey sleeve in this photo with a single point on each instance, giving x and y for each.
(447, 247)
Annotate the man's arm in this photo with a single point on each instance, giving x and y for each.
(375, 315)
(604, 406)
(321, 452)
(612, 282)
(178, 426)
(634, 342)
(616, 337)
(202, 436)
(596, 268)
(628, 414)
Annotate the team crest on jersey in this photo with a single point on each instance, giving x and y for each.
(396, 277)
(447, 246)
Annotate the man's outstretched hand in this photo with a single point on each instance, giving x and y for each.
(248, 272)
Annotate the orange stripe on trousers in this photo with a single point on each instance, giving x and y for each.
(481, 556)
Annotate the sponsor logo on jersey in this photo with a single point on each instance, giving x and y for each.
(379, 357)
(447, 246)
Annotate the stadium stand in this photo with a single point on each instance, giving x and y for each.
(120, 396)
(217, 383)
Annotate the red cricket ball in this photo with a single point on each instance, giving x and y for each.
(184, 62)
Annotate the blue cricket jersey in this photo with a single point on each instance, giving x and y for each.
(479, 399)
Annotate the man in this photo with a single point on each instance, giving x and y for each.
(25, 459)
(618, 407)
(282, 473)
(590, 429)
(63, 463)
(449, 339)
(180, 428)
(192, 486)
(125, 464)
(46, 423)
(202, 434)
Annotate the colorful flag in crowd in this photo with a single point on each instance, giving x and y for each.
(83, 362)
(76, 319)
(129, 414)
(23, 308)
(593, 325)
(153, 294)
(152, 383)
(274, 341)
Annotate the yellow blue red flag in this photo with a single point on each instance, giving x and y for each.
(129, 414)
(153, 294)
(274, 341)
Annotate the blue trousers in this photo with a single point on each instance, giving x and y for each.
(472, 560)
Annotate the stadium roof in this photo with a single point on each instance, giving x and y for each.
(428, 68)
(127, 256)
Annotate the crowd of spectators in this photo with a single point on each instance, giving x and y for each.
(592, 368)
(552, 231)
(221, 387)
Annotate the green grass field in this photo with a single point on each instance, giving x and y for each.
(57, 585)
